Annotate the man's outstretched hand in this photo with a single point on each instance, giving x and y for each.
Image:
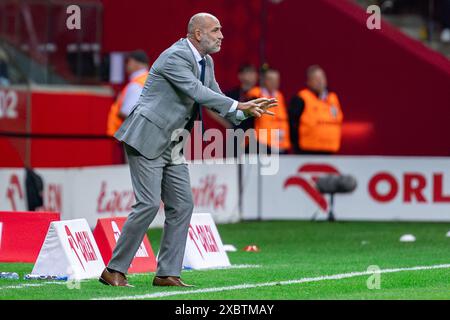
(257, 107)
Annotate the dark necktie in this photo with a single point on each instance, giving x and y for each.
(197, 106)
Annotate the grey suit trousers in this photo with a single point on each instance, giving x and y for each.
(154, 180)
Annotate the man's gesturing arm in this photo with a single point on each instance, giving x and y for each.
(257, 107)
(178, 71)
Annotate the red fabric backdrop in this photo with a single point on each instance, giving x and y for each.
(395, 92)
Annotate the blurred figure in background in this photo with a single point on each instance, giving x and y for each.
(445, 19)
(248, 78)
(315, 116)
(403, 6)
(431, 11)
(137, 70)
(4, 77)
(270, 89)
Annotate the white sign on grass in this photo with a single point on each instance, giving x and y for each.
(69, 250)
(204, 247)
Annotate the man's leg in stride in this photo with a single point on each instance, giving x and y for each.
(178, 207)
(146, 178)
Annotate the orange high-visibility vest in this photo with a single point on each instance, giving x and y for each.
(279, 121)
(114, 120)
(320, 123)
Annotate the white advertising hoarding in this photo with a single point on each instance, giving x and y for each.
(106, 191)
(388, 188)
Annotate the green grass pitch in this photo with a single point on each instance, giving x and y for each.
(290, 250)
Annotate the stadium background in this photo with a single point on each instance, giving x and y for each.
(393, 88)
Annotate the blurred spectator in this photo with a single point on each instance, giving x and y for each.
(4, 77)
(438, 10)
(248, 78)
(137, 70)
(315, 116)
(270, 89)
(404, 6)
(445, 34)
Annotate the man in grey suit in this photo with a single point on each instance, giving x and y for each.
(180, 81)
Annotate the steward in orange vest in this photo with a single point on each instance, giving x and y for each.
(279, 121)
(137, 67)
(315, 117)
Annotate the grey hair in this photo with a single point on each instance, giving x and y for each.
(197, 21)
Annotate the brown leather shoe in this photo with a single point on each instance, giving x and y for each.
(169, 282)
(115, 279)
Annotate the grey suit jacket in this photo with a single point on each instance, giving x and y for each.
(167, 100)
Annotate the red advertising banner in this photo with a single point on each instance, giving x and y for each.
(23, 233)
(106, 234)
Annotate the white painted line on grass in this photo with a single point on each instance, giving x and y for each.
(275, 283)
(234, 266)
(27, 285)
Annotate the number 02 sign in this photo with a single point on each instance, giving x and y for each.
(8, 104)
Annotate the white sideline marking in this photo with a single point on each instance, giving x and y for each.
(275, 283)
(234, 266)
(26, 285)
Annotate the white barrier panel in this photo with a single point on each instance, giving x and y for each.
(70, 250)
(389, 188)
(101, 192)
(13, 191)
(106, 191)
(58, 191)
(204, 247)
(215, 190)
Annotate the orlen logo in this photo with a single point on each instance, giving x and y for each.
(81, 245)
(203, 237)
(14, 191)
(413, 185)
(306, 179)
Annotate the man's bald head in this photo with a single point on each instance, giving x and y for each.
(204, 32)
(200, 21)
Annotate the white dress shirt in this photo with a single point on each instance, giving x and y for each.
(239, 114)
